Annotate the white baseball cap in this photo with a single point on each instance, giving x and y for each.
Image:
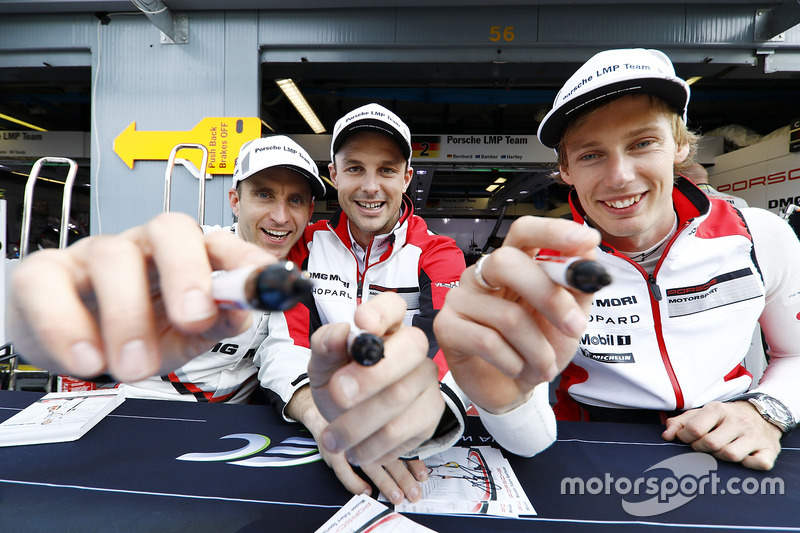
(372, 117)
(610, 74)
(277, 151)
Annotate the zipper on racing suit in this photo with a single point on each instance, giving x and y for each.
(655, 298)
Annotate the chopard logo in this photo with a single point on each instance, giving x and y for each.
(600, 319)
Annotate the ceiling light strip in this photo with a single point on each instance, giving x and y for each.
(299, 102)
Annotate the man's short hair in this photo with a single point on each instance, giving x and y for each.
(681, 134)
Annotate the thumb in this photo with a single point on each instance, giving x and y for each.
(328, 352)
(671, 431)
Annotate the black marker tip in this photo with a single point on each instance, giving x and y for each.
(367, 349)
(589, 276)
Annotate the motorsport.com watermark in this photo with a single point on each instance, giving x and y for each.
(693, 474)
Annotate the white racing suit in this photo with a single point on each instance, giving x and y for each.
(229, 371)
(676, 340)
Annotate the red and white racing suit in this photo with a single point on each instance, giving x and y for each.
(410, 261)
(230, 371)
(676, 340)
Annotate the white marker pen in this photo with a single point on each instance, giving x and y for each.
(277, 287)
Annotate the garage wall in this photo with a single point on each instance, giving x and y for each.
(172, 87)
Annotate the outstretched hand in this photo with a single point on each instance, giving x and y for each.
(501, 343)
(380, 412)
(396, 479)
(133, 305)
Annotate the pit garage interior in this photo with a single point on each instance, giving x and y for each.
(469, 69)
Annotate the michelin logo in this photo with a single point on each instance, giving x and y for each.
(608, 357)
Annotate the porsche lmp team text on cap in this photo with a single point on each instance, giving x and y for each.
(610, 74)
(376, 118)
(277, 151)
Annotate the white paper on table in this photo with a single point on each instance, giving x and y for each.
(475, 480)
(362, 514)
(59, 417)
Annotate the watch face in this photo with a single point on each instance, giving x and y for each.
(771, 411)
(774, 412)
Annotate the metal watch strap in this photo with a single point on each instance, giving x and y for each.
(747, 396)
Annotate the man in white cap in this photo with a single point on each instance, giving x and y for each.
(272, 195)
(273, 190)
(666, 341)
(138, 333)
(374, 244)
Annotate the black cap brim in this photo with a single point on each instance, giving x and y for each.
(316, 183)
(372, 125)
(672, 92)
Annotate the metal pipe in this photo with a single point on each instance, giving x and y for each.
(159, 14)
(201, 210)
(65, 203)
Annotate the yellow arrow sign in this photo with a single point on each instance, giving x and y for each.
(223, 136)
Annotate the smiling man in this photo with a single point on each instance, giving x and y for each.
(374, 244)
(693, 276)
(698, 274)
(272, 195)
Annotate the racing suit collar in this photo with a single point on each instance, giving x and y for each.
(688, 201)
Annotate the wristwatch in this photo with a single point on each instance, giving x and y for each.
(772, 409)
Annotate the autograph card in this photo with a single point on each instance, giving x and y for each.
(475, 480)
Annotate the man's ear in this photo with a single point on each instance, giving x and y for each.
(407, 178)
(332, 172)
(681, 154)
(565, 176)
(233, 199)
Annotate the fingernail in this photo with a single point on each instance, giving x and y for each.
(396, 497)
(134, 360)
(551, 373)
(575, 322)
(329, 442)
(87, 358)
(351, 457)
(349, 387)
(326, 339)
(367, 491)
(575, 235)
(413, 493)
(196, 305)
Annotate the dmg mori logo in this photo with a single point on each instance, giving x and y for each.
(293, 451)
